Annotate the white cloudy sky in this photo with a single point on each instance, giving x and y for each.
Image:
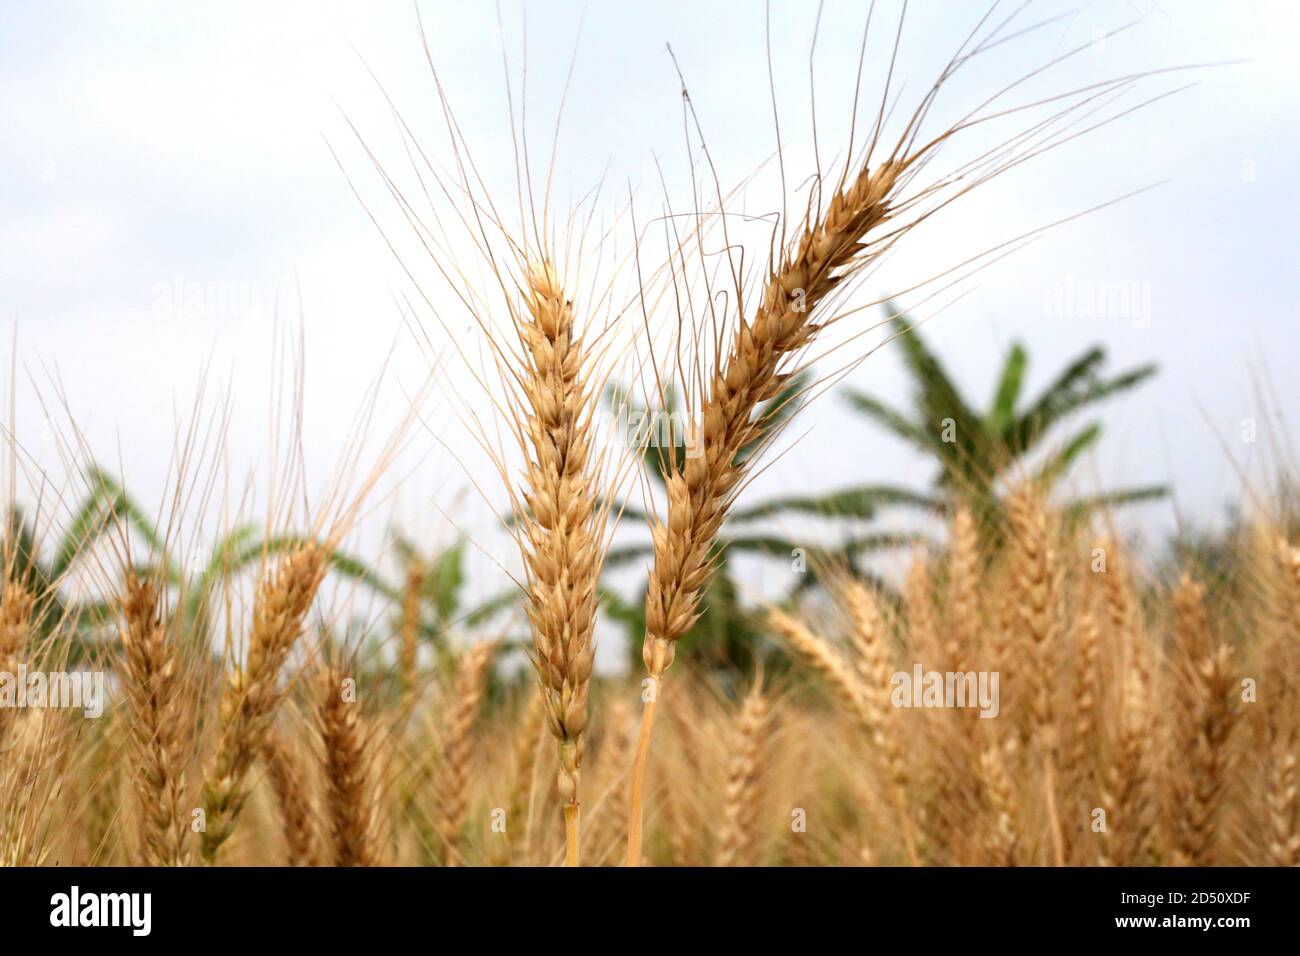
(146, 146)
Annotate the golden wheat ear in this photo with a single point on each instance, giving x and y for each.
(252, 692)
(152, 681)
(1037, 589)
(743, 791)
(1206, 716)
(519, 815)
(17, 608)
(453, 785)
(862, 687)
(562, 527)
(845, 231)
(349, 765)
(290, 784)
(750, 370)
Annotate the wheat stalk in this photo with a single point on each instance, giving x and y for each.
(519, 816)
(288, 780)
(742, 793)
(1078, 764)
(471, 684)
(963, 609)
(865, 695)
(409, 632)
(562, 527)
(252, 692)
(1282, 806)
(152, 681)
(17, 606)
(1001, 837)
(881, 718)
(1037, 591)
(1205, 720)
(348, 770)
(751, 370)
(1126, 797)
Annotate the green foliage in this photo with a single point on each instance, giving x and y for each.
(975, 450)
(196, 583)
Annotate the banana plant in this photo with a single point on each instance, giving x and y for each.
(439, 579)
(973, 450)
(441, 589)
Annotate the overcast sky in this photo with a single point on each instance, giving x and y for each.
(149, 150)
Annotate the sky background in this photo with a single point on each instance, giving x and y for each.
(149, 150)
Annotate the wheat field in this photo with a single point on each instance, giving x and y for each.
(1029, 689)
(1168, 713)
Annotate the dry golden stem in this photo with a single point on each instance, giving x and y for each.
(636, 786)
(572, 852)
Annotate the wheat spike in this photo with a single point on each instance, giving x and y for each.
(350, 797)
(152, 680)
(253, 692)
(17, 606)
(743, 790)
(1204, 723)
(471, 684)
(1037, 591)
(563, 528)
(409, 632)
(519, 807)
(288, 780)
(1001, 833)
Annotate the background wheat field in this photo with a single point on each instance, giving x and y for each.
(588, 546)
